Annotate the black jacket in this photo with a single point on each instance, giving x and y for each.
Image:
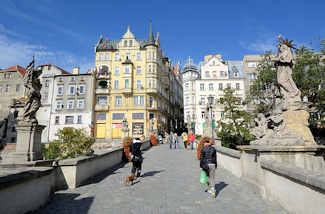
(135, 148)
(208, 155)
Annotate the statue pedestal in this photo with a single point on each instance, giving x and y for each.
(28, 147)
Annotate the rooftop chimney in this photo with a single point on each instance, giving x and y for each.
(76, 70)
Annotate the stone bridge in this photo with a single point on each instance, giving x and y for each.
(170, 184)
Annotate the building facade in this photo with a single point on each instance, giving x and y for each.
(134, 81)
(215, 75)
(72, 102)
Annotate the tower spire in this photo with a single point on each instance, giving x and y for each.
(151, 37)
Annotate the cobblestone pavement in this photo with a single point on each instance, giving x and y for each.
(170, 184)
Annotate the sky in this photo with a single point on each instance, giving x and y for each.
(65, 32)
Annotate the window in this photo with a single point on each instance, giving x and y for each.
(130, 43)
(202, 102)
(126, 83)
(107, 56)
(79, 120)
(68, 119)
(57, 120)
(153, 83)
(81, 104)
(71, 90)
(207, 74)
(138, 69)
(154, 68)
(149, 68)
(252, 76)
(220, 86)
(187, 100)
(102, 100)
(115, 84)
(138, 100)
(58, 105)
(60, 91)
(125, 43)
(7, 75)
(117, 57)
(138, 56)
(81, 89)
(202, 114)
(46, 85)
(236, 74)
(151, 102)
(118, 100)
(17, 88)
(210, 86)
(7, 88)
(237, 85)
(70, 104)
(202, 87)
(222, 114)
(137, 116)
(127, 68)
(101, 116)
(117, 70)
(73, 79)
(118, 116)
(229, 85)
(149, 83)
(138, 84)
(100, 57)
(252, 64)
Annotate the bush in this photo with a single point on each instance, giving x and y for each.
(71, 143)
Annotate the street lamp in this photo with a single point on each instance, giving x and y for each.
(210, 99)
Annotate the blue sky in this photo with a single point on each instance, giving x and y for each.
(64, 32)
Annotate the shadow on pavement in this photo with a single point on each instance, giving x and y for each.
(218, 187)
(98, 178)
(151, 173)
(66, 202)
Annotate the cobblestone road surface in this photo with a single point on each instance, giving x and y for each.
(170, 184)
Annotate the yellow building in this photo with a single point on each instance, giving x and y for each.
(133, 81)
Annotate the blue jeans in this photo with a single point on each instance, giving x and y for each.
(191, 145)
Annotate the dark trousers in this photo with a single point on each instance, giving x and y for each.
(185, 144)
(136, 167)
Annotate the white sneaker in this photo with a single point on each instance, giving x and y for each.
(209, 191)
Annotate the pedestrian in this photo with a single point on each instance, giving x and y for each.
(208, 163)
(166, 137)
(171, 140)
(192, 140)
(136, 159)
(185, 139)
(175, 140)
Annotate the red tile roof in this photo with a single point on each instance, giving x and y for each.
(18, 68)
(63, 71)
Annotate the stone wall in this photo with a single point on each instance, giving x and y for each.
(298, 189)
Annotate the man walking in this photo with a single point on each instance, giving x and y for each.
(192, 140)
(185, 139)
(171, 140)
(175, 140)
(208, 163)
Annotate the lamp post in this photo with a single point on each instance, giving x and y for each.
(210, 99)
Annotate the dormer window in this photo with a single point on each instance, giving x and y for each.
(130, 43)
(236, 74)
(125, 43)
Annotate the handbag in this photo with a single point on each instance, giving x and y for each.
(203, 177)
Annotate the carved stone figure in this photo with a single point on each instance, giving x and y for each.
(33, 87)
(284, 63)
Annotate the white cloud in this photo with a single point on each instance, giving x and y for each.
(16, 51)
(260, 45)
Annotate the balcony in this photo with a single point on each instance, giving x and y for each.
(102, 90)
(127, 91)
(152, 91)
(101, 107)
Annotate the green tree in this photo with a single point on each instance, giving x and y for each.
(71, 143)
(233, 129)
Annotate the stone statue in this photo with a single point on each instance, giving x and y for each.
(287, 123)
(284, 63)
(33, 87)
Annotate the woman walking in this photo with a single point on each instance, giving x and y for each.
(136, 159)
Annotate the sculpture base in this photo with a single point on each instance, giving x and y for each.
(28, 147)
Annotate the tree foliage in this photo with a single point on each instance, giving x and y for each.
(233, 129)
(71, 143)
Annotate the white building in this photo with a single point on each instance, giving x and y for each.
(215, 75)
(72, 103)
(43, 114)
